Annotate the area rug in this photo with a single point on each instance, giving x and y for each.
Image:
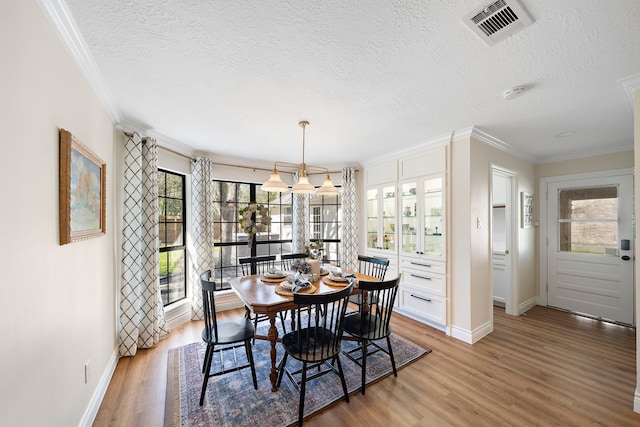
(231, 399)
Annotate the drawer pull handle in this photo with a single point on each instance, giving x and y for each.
(420, 277)
(422, 298)
(420, 264)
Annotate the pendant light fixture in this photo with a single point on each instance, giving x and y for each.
(275, 184)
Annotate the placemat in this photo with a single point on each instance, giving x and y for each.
(266, 279)
(287, 292)
(330, 282)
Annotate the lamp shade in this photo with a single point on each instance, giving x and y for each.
(328, 188)
(275, 184)
(303, 186)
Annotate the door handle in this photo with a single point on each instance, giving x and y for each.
(626, 257)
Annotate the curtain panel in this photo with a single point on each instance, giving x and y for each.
(142, 321)
(349, 219)
(300, 220)
(201, 256)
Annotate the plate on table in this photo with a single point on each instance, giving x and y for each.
(285, 289)
(323, 271)
(330, 282)
(337, 279)
(272, 278)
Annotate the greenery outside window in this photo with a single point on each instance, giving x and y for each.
(172, 225)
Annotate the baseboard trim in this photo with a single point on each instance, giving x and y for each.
(90, 413)
(528, 305)
(636, 401)
(472, 337)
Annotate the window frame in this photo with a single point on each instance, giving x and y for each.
(173, 248)
(264, 245)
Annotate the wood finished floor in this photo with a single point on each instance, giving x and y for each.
(544, 368)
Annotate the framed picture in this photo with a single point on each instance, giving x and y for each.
(526, 206)
(82, 191)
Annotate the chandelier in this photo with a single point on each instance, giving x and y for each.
(275, 184)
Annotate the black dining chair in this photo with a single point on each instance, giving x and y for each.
(316, 341)
(372, 323)
(371, 266)
(258, 265)
(228, 334)
(287, 259)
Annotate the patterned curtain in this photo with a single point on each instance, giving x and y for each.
(202, 229)
(300, 221)
(141, 308)
(349, 220)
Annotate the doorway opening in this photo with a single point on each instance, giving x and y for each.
(504, 239)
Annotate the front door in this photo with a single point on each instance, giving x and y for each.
(591, 247)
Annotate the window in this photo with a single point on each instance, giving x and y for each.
(326, 224)
(173, 259)
(231, 242)
(588, 220)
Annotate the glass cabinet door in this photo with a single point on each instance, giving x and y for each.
(410, 224)
(372, 218)
(389, 218)
(433, 221)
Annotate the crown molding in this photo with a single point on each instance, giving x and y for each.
(481, 135)
(586, 154)
(61, 19)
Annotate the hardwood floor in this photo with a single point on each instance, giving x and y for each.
(545, 367)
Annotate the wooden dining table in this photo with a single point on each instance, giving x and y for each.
(261, 297)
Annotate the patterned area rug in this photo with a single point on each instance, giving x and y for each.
(231, 399)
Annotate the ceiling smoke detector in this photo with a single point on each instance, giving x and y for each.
(514, 92)
(497, 20)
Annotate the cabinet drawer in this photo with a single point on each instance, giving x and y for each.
(426, 266)
(425, 281)
(425, 305)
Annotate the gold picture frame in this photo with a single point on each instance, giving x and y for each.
(526, 210)
(83, 177)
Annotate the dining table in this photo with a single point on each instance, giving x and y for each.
(261, 296)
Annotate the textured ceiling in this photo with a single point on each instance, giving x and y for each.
(371, 76)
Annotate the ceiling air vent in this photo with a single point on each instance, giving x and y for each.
(497, 20)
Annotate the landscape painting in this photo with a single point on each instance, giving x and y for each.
(82, 191)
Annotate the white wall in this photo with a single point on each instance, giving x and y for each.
(471, 296)
(58, 301)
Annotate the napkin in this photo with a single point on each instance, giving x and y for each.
(337, 272)
(298, 282)
(275, 272)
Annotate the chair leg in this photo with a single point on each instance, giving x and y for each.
(255, 328)
(303, 387)
(344, 383)
(364, 363)
(393, 361)
(206, 375)
(207, 356)
(247, 348)
(281, 366)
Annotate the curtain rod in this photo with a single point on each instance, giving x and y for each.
(253, 168)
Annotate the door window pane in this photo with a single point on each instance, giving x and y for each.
(588, 220)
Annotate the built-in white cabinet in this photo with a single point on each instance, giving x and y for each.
(381, 218)
(405, 204)
(422, 189)
(499, 278)
(422, 226)
(381, 207)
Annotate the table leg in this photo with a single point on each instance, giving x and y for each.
(273, 339)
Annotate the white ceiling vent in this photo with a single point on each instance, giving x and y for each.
(497, 20)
